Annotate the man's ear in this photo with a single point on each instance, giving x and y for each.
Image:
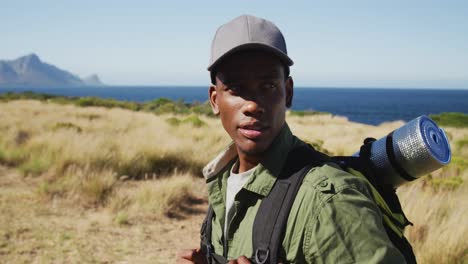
(289, 85)
(213, 102)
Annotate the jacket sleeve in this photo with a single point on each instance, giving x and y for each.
(348, 228)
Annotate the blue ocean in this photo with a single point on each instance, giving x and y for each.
(364, 105)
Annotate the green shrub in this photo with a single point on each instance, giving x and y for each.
(121, 218)
(9, 96)
(459, 162)
(165, 106)
(96, 189)
(166, 197)
(462, 143)
(89, 101)
(66, 125)
(194, 120)
(166, 109)
(108, 103)
(155, 104)
(305, 113)
(53, 189)
(14, 157)
(173, 121)
(34, 166)
(202, 108)
(65, 236)
(156, 166)
(318, 145)
(90, 117)
(451, 119)
(62, 100)
(2, 156)
(44, 188)
(448, 183)
(158, 106)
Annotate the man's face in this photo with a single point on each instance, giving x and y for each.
(251, 96)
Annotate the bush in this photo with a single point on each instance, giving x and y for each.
(9, 96)
(166, 106)
(462, 143)
(2, 156)
(318, 145)
(81, 187)
(166, 196)
(121, 218)
(13, 157)
(155, 104)
(452, 119)
(108, 103)
(158, 106)
(157, 165)
(202, 109)
(34, 166)
(173, 121)
(90, 117)
(446, 183)
(194, 120)
(305, 113)
(66, 125)
(459, 162)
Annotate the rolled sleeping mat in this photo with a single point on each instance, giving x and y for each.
(411, 151)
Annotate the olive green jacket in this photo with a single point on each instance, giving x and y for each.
(333, 219)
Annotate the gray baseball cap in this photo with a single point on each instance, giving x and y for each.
(247, 32)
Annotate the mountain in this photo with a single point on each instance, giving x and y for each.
(92, 80)
(30, 70)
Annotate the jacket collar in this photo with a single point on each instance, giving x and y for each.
(265, 173)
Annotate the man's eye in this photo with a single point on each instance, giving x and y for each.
(270, 86)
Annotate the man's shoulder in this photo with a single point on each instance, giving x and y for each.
(328, 179)
(327, 195)
(325, 181)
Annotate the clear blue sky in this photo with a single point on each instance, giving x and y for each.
(333, 43)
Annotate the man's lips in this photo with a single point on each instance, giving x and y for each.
(252, 131)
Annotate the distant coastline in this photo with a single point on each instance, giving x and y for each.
(363, 105)
(30, 70)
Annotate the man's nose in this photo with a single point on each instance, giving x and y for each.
(253, 106)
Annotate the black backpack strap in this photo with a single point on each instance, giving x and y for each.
(270, 221)
(402, 244)
(272, 216)
(205, 240)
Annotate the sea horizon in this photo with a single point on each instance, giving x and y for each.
(104, 86)
(364, 105)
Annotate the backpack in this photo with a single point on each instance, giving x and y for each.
(270, 222)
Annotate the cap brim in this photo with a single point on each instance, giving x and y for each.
(253, 46)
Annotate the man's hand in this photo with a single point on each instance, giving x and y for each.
(194, 256)
(240, 260)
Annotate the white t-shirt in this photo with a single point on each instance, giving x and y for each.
(235, 182)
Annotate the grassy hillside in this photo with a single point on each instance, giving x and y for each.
(121, 181)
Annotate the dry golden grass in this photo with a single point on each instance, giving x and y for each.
(110, 185)
(37, 231)
(40, 137)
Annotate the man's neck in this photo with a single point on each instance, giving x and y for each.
(247, 162)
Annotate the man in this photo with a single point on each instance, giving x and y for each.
(333, 218)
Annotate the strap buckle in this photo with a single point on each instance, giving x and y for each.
(261, 255)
